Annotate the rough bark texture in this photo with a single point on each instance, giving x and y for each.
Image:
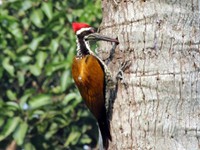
(158, 102)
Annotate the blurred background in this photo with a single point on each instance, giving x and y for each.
(40, 107)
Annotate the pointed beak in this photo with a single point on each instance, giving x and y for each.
(98, 37)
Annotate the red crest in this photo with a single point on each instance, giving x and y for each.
(78, 25)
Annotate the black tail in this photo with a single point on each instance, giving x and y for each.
(104, 125)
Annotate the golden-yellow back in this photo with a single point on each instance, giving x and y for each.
(88, 75)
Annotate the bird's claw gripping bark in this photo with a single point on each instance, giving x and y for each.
(123, 67)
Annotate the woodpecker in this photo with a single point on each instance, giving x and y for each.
(92, 77)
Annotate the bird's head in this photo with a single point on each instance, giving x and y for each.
(88, 33)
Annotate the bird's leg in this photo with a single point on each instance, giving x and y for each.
(112, 87)
(123, 67)
(112, 81)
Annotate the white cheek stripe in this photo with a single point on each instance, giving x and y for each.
(82, 29)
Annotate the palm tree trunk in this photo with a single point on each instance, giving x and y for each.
(158, 101)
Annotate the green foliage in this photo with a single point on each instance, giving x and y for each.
(40, 106)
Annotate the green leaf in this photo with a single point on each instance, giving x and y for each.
(35, 42)
(8, 113)
(68, 98)
(54, 46)
(12, 105)
(11, 95)
(8, 67)
(47, 8)
(50, 68)
(24, 99)
(20, 133)
(40, 101)
(10, 53)
(25, 59)
(70, 55)
(35, 69)
(41, 57)
(56, 90)
(9, 127)
(8, 18)
(29, 146)
(72, 138)
(53, 129)
(65, 80)
(26, 23)
(22, 48)
(20, 77)
(26, 5)
(39, 112)
(16, 31)
(37, 17)
(70, 17)
(85, 139)
(2, 120)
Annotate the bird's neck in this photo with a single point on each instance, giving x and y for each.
(83, 47)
